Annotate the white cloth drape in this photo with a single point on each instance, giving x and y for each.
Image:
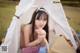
(25, 9)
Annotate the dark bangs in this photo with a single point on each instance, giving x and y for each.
(42, 13)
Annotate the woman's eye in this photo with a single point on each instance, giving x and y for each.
(39, 19)
(45, 18)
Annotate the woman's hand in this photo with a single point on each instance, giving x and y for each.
(41, 33)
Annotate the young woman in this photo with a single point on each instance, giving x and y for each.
(36, 32)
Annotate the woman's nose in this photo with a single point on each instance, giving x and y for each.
(41, 22)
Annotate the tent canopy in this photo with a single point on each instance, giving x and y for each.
(25, 9)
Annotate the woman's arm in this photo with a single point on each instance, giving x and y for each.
(47, 45)
(43, 35)
(26, 36)
(35, 42)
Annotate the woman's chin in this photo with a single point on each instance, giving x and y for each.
(39, 27)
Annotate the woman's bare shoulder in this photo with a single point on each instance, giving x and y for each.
(27, 27)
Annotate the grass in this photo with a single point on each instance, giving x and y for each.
(74, 14)
(7, 11)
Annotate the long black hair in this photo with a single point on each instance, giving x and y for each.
(37, 13)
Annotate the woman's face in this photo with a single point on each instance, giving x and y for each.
(41, 22)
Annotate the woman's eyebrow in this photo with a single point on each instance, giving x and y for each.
(45, 16)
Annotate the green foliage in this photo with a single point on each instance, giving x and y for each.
(74, 14)
(7, 11)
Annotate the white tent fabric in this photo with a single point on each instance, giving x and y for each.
(25, 9)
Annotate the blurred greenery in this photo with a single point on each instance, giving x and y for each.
(74, 14)
(7, 11)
